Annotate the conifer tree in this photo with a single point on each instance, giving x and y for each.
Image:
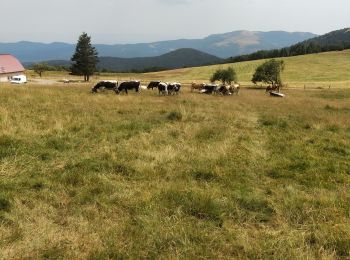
(85, 58)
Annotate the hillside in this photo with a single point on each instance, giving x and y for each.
(323, 69)
(175, 59)
(334, 41)
(221, 45)
(338, 37)
(313, 70)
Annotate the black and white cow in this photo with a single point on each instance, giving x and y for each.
(229, 89)
(153, 84)
(209, 89)
(224, 90)
(105, 84)
(163, 88)
(128, 85)
(174, 88)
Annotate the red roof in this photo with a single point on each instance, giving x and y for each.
(9, 64)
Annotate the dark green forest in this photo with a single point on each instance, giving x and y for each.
(334, 41)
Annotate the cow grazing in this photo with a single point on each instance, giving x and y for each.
(209, 89)
(153, 84)
(110, 85)
(128, 85)
(197, 86)
(273, 88)
(234, 89)
(224, 90)
(229, 90)
(174, 88)
(163, 88)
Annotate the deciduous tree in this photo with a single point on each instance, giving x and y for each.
(224, 75)
(269, 73)
(40, 68)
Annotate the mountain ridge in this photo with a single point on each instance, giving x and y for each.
(337, 40)
(222, 45)
(180, 58)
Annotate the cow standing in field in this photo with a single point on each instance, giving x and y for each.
(229, 90)
(224, 90)
(273, 88)
(110, 85)
(128, 85)
(235, 88)
(174, 88)
(197, 86)
(163, 88)
(153, 84)
(209, 89)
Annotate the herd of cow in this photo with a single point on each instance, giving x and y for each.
(165, 88)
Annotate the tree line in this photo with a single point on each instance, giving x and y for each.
(269, 73)
(307, 47)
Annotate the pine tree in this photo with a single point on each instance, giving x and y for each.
(85, 58)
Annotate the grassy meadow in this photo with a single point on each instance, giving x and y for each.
(312, 71)
(102, 176)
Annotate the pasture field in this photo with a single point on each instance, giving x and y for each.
(102, 176)
(313, 71)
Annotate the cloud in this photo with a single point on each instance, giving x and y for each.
(115, 21)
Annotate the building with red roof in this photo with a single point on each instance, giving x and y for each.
(9, 67)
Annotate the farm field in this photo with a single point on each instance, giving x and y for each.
(102, 176)
(312, 71)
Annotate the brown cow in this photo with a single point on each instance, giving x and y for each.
(273, 88)
(197, 86)
(235, 88)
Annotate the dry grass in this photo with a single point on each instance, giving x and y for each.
(189, 176)
(312, 71)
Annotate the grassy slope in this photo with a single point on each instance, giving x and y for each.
(315, 70)
(104, 176)
(332, 67)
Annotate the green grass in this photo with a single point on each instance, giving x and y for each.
(191, 176)
(311, 71)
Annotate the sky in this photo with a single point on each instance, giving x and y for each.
(133, 21)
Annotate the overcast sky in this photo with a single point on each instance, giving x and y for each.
(132, 21)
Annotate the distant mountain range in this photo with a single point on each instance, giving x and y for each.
(333, 41)
(176, 59)
(220, 45)
(334, 38)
